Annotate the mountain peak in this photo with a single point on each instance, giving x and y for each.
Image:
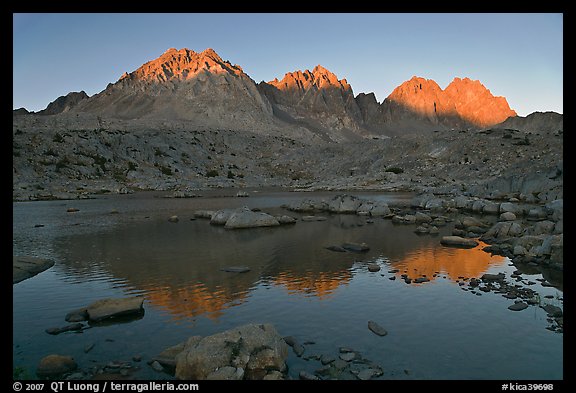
(211, 53)
(182, 64)
(319, 78)
(464, 98)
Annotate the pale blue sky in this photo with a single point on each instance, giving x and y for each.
(518, 56)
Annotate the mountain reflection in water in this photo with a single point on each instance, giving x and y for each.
(178, 267)
(453, 262)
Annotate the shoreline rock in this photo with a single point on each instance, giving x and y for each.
(24, 267)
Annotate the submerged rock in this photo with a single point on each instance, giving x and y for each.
(314, 218)
(68, 328)
(236, 269)
(377, 329)
(336, 248)
(356, 247)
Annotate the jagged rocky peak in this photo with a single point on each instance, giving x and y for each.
(416, 97)
(476, 104)
(319, 78)
(464, 102)
(182, 64)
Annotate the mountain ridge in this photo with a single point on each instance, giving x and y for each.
(202, 88)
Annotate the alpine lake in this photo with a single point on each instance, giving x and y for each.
(119, 246)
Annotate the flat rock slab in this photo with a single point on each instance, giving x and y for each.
(26, 267)
(236, 269)
(457, 241)
(108, 308)
(377, 329)
(518, 306)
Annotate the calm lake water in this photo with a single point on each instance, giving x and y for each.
(436, 330)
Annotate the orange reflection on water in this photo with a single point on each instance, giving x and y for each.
(319, 284)
(185, 302)
(450, 261)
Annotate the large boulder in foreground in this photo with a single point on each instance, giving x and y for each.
(247, 352)
(246, 218)
(54, 366)
(111, 307)
(26, 267)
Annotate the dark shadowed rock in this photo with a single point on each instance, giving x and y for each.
(373, 267)
(552, 310)
(68, 328)
(26, 267)
(518, 306)
(377, 329)
(336, 248)
(236, 269)
(356, 247)
(304, 375)
(493, 277)
(78, 315)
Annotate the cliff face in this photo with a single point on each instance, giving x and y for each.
(475, 104)
(316, 99)
(463, 104)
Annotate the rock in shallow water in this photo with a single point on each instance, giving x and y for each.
(374, 327)
(26, 267)
(348, 356)
(236, 269)
(58, 330)
(373, 267)
(336, 248)
(250, 219)
(457, 241)
(108, 308)
(257, 349)
(518, 306)
(356, 247)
